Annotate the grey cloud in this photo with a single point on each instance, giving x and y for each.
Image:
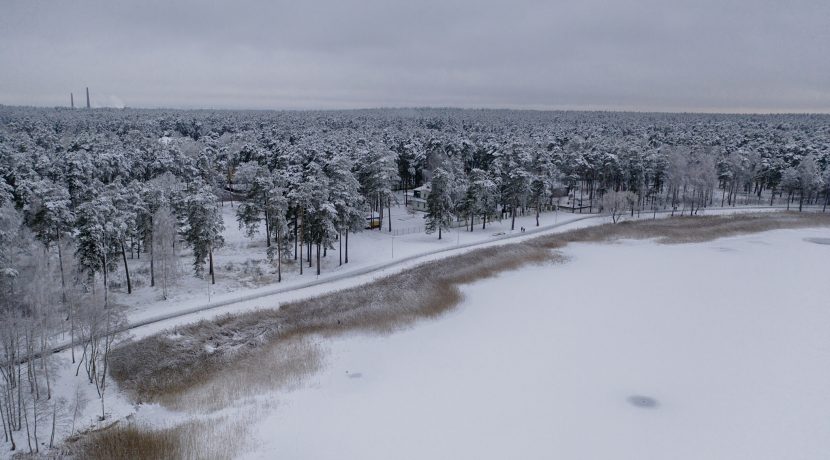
(730, 55)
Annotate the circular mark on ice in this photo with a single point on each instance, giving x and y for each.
(643, 402)
(818, 240)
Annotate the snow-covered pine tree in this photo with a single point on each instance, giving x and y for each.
(98, 232)
(163, 247)
(440, 203)
(809, 179)
(258, 183)
(516, 183)
(482, 196)
(378, 174)
(276, 210)
(344, 194)
(321, 215)
(204, 226)
(790, 182)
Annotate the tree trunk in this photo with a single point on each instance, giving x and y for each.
(296, 249)
(60, 265)
(3, 420)
(340, 244)
(152, 263)
(513, 216)
(54, 416)
(591, 197)
(318, 259)
(70, 315)
(439, 232)
(212, 272)
(267, 227)
(347, 246)
(389, 217)
(106, 284)
(279, 257)
(28, 434)
(126, 269)
(380, 213)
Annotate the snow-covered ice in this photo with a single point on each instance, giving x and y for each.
(728, 339)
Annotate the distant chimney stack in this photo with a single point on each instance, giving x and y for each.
(72, 100)
(87, 97)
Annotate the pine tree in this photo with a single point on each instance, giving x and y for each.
(97, 236)
(790, 182)
(377, 174)
(344, 194)
(516, 181)
(163, 247)
(482, 196)
(204, 226)
(439, 203)
(256, 207)
(276, 210)
(809, 179)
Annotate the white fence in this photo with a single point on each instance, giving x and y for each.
(407, 230)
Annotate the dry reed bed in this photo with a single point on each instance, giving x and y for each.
(164, 366)
(216, 439)
(678, 230)
(209, 364)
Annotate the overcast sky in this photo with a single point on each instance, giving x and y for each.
(669, 55)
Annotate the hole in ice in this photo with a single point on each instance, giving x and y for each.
(644, 402)
(818, 240)
(354, 375)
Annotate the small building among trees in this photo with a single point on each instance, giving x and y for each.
(418, 200)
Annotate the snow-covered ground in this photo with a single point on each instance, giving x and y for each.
(729, 338)
(243, 269)
(370, 254)
(238, 266)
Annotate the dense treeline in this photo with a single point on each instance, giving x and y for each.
(80, 189)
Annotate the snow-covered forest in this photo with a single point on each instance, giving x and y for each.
(83, 191)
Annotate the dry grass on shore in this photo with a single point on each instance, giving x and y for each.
(214, 439)
(687, 229)
(165, 366)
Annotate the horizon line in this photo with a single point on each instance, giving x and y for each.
(586, 109)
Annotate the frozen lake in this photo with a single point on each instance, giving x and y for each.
(631, 350)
